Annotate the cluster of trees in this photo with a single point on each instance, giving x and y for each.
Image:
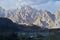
(15, 36)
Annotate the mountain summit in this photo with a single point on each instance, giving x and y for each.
(30, 16)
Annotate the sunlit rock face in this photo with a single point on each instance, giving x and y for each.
(57, 15)
(30, 16)
(24, 14)
(48, 18)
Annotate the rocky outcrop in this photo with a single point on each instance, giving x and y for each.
(30, 16)
(49, 20)
(57, 15)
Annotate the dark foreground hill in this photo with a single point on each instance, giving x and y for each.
(6, 24)
(8, 31)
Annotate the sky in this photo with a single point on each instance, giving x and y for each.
(50, 5)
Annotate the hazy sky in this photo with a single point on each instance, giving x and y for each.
(50, 5)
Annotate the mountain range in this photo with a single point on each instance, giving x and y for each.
(30, 16)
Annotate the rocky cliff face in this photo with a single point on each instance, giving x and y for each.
(57, 15)
(25, 14)
(49, 19)
(29, 16)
